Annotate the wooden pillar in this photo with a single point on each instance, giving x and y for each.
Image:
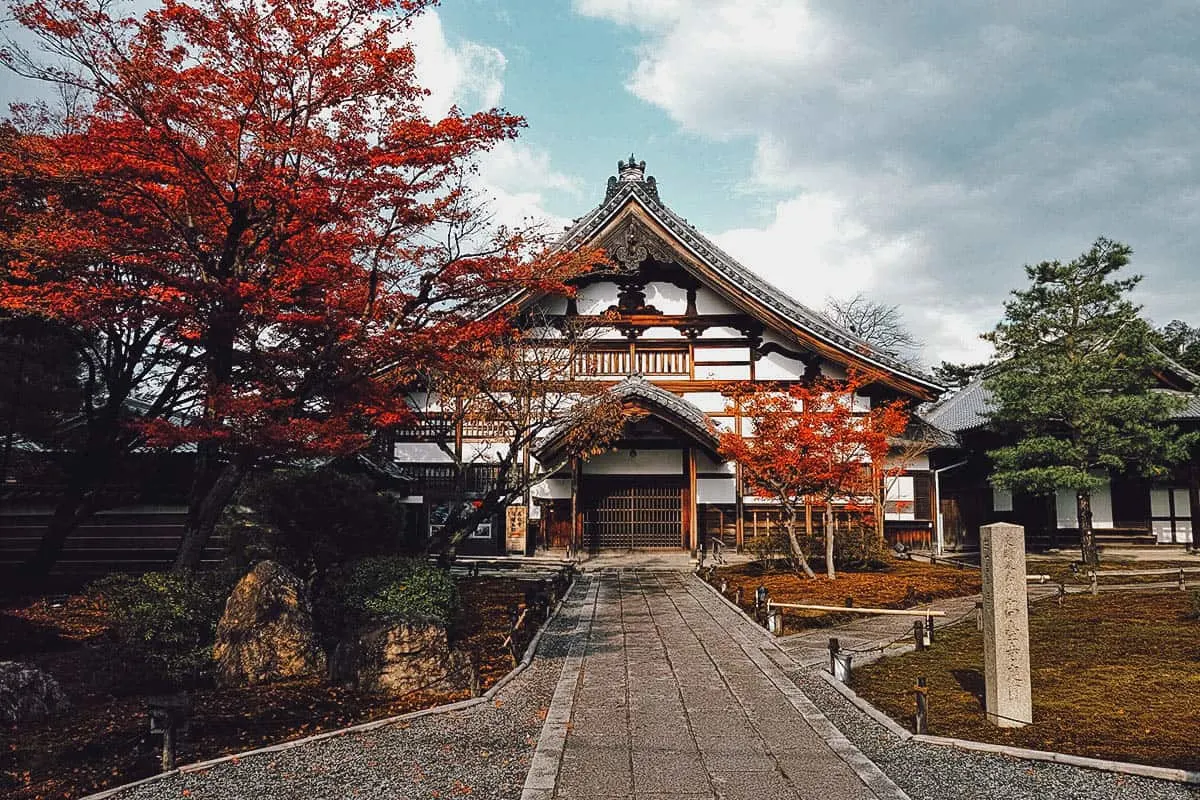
(576, 531)
(692, 533)
(1194, 502)
(739, 522)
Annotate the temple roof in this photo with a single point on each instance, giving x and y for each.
(633, 185)
(636, 391)
(969, 407)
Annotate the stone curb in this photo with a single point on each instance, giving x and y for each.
(1104, 765)
(364, 727)
(542, 778)
(741, 611)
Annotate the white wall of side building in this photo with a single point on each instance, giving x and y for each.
(1102, 513)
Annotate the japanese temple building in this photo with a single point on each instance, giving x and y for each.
(677, 319)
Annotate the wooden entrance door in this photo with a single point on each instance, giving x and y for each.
(633, 513)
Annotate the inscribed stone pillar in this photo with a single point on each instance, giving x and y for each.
(1005, 625)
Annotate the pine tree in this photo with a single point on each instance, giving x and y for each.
(1076, 390)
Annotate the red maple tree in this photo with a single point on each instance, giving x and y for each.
(811, 444)
(260, 172)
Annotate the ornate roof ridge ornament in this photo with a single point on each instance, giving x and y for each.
(631, 171)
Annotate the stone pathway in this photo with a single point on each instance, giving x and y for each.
(675, 694)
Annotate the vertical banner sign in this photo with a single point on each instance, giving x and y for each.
(515, 522)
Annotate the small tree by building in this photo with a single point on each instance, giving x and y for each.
(1075, 387)
(507, 395)
(812, 445)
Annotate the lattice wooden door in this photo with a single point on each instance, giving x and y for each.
(638, 514)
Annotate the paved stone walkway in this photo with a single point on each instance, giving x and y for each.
(675, 694)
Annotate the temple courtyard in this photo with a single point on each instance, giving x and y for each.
(647, 684)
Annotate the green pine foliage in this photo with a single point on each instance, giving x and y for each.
(1076, 391)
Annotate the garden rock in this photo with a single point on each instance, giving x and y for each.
(266, 633)
(28, 694)
(399, 658)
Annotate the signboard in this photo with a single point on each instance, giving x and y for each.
(515, 522)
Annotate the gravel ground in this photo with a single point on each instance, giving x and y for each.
(933, 772)
(479, 752)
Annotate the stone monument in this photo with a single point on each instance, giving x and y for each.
(1009, 694)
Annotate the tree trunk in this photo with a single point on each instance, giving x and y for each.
(829, 571)
(1052, 520)
(1087, 535)
(70, 510)
(204, 513)
(797, 551)
(89, 466)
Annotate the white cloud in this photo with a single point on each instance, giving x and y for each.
(467, 74)
(930, 151)
(514, 177)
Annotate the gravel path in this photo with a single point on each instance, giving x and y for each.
(933, 772)
(479, 752)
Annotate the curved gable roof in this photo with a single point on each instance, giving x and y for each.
(640, 393)
(635, 188)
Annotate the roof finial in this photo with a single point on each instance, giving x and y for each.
(632, 171)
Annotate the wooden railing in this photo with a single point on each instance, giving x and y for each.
(602, 362)
(663, 362)
(1179, 573)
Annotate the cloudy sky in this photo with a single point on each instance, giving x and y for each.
(919, 153)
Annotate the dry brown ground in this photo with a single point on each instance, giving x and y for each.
(103, 740)
(903, 584)
(1114, 676)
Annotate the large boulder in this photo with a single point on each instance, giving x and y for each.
(399, 658)
(28, 694)
(266, 633)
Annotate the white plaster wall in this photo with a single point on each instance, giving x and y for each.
(646, 462)
(716, 490)
(721, 332)
(554, 304)
(419, 453)
(724, 424)
(1002, 499)
(553, 489)
(709, 302)
(484, 452)
(917, 463)
(734, 372)
(1102, 516)
(423, 401)
(661, 333)
(596, 297)
(706, 464)
(835, 371)
(707, 401)
(666, 297)
(604, 332)
(708, 354)
(778, 367)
